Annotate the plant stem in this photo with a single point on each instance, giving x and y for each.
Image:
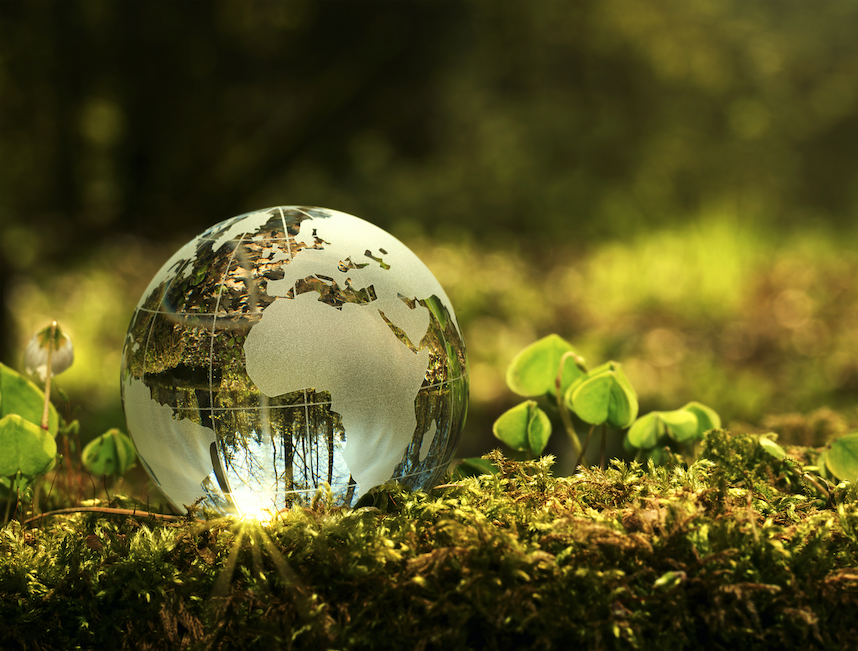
(110, 511)
(602, 447)
(570, 429)
(8, 508)
(36, 495)
(565, 416)
(816, 485)
(584, 449)
(54, 479)
(45, 413)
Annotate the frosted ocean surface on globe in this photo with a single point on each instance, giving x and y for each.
(290, 347)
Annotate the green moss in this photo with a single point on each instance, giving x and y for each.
(740, 549)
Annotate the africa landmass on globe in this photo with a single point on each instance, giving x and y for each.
(288, 348)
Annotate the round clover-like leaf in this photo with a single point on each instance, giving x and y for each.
(644, 434)
(533, 372)
(591, 398)
(27, 448)
(822, 465)
(524, 427)
(624, 406)
(605, 395)
(842, 457)
(538, 431)
(474, 467)
(111, 453)
(511, 427)
(19, 395)
(680, 425)
(707, 418)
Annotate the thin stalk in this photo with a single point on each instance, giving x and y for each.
(570, 429)
(584, 449)
(51, 338)
(110, 511)
(816, 485)
(17, 493)
(602, 447)
(8, 508)
(565, 416)
(36, 495)
(54, 479)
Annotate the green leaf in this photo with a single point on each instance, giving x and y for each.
(644, 434)
(842, 457)
(707, 418)
(822, 464)
(660, 455)
(112, 453)
(19, 395)
(604, 395)
(27, 448)
(591, 398)
(538, 431)
(669, 580)
(624, 406)
(681, 425)
(524, 427)
(511, 427)
(17, 486)
(771, 448)
(533, 372)
(474, 467)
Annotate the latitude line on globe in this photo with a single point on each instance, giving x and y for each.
(327, 402)
(149, 335)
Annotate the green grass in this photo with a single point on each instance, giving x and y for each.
(737, 550)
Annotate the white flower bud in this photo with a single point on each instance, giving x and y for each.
(36, 357)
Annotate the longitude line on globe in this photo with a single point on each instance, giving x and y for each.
(149, 334)
(286, 232)
(214, 318)
(309, 216)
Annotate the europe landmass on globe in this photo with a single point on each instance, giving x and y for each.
(286, 349)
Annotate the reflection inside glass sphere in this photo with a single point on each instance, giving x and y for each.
(290, 349)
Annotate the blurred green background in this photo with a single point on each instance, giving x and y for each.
(672, 184)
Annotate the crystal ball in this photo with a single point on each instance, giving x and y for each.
(288, 350)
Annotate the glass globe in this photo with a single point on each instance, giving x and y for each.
(290, 348)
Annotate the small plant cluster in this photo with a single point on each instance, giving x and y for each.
(551, 369)
(30, 425)
(27, 440)
(839, 459)
(736, 550)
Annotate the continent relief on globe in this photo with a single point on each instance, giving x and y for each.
(293, 320)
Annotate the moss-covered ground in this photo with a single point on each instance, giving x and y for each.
(737, 550)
